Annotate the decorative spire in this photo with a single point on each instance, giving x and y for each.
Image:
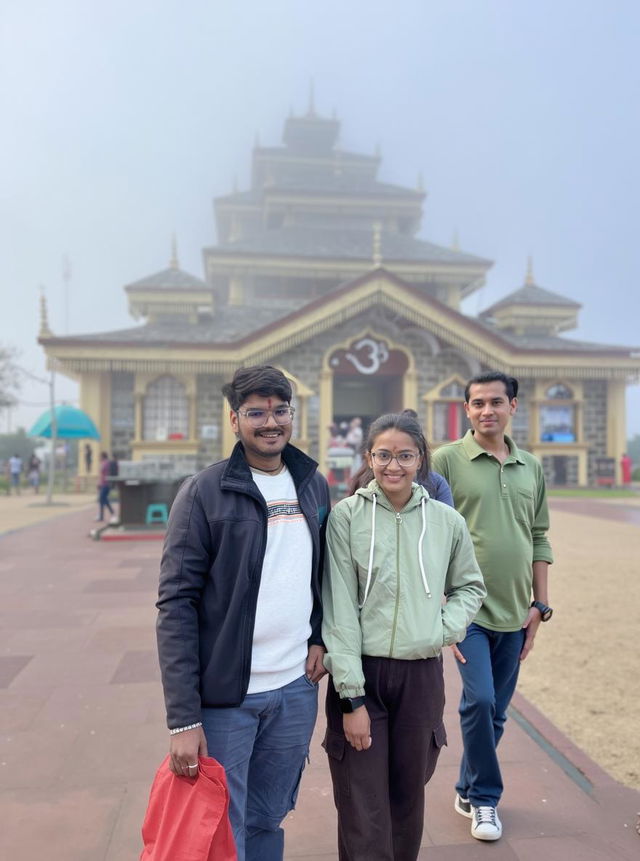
(256, 143)
(529, 276)
(334, 114)
(377, 151)
(420, 182)
(312, 99)
(173, 263)
(455, 240)
(45, 331)
(377, 244)
(235, 183)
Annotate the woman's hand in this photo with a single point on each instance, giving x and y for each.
(357, 728)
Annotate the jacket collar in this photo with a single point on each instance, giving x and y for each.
(237, 473)
(417, 492)
(474, 450)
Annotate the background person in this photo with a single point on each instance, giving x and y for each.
(104, 486)
(392, 554)
(15, 472)
(239, 613)
(33, 472)
(500, 491)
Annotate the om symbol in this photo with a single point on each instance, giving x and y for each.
(372, 355)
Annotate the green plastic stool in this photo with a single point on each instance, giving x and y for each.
(157, 513)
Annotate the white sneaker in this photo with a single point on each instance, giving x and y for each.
(485, 824)
(462, 806)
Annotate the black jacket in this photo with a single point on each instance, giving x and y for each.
(210, 576)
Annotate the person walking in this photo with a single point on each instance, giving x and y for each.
(33, 472)
(15, 472)
(239, 613)
(500, 491)
(104, 486)
(393, 555)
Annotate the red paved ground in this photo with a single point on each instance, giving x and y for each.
(82, 728)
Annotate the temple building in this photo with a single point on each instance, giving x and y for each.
(318, 269)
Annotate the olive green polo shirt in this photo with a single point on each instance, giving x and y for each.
(505, 506)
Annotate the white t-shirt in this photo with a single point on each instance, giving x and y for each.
(285, 600)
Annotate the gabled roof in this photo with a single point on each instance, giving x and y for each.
(341, 244)
(255, 334)
(531, 294)
(169, 279)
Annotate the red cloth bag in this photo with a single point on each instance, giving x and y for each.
(187, 819)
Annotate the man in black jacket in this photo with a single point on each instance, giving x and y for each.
(239, 613)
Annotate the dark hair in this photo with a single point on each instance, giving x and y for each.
(393, 421)
(510, 383)
(263, 380)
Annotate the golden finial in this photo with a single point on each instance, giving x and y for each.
(455, 240)
(377, 244)
(529, 277)
(45, 331)
(420, 182)
(173, 262)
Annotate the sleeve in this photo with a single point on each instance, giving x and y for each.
(323, 516)
(439, 463)
(441, 489)
(464, 587)
(341, 630)
(541, 547)
(186, 559)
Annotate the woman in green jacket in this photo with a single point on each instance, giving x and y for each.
(400, 582)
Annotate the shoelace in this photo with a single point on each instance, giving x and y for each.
(486, 815)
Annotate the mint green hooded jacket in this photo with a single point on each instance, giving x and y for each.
(385, 577)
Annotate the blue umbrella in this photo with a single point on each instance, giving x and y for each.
(71, 423)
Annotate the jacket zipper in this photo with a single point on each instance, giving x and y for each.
(397, 607)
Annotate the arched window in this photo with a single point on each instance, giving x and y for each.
(559, 392)
(449, 418)
(165, 410)
(558, 415)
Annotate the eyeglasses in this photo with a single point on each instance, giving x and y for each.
(258, 418)
(404, 458)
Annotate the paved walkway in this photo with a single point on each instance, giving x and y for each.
(82, 724)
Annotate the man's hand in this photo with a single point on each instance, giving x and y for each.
(458, 654)
(357, 728)
(531, 624)
(185, 748)
(314, 668)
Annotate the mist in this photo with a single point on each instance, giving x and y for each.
(122, 122)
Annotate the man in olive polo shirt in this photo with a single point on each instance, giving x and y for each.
(500, 491)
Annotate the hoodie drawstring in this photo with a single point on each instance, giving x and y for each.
(423, 509)
(373, 541)
(423, 573)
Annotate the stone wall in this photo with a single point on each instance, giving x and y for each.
(595, 422)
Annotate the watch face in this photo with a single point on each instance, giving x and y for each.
(548, 613)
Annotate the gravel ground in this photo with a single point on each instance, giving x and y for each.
(584, 672)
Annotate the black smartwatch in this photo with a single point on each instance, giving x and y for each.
(545, 612)
(350, 704)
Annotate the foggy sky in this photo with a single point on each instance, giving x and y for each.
(123, 120)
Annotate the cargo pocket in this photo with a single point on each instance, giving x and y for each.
(438, 741)
(335, 744)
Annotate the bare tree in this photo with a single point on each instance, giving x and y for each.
(9, 376)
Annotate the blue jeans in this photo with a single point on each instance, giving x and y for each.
(488, 681)
(263, 745)
(103, 499)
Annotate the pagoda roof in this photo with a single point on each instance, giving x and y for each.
(335, 155)
(234, 325)
(329, 185)
(344, 244)
(531, 294)
(169, 279)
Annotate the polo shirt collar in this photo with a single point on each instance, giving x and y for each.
(473, 450)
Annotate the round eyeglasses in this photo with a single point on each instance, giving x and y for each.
(258, 418)
(404, 458)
